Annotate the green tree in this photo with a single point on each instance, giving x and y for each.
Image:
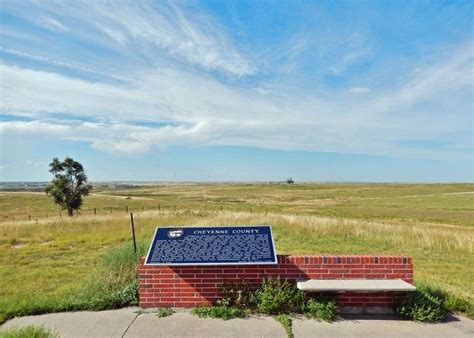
(69, 184)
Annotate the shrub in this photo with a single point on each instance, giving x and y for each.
(323, 310)
(236, 295)
(276, 296)
(222, 312)
(423, 305)
(29, 331)
(164, 312)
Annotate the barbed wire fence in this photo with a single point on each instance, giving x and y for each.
(35, 216)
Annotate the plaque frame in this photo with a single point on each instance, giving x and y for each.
(272, 244)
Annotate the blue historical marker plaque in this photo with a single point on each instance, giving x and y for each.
(212, 246)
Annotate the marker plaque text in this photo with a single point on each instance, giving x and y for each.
(212, 246)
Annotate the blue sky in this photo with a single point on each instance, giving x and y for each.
(238, 90)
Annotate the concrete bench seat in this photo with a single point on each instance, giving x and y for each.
(357, 285)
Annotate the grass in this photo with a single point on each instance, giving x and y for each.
(29, 331)
(437, 203)
(52, 263)
(112, 284)
(287, 324)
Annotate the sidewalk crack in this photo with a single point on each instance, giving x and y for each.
(128, 327)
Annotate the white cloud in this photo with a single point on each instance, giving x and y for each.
(55, 62)
(433, 82)
(162, 52)
(228, 116)
(359, 90)
(347, 50)
(149, 28)
(32, 127)
(116, 35)
(37, 164)
(52, 24)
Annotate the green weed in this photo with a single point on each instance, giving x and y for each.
(287, 324)
(222, 312)
(164, 312)
(423, 305)
(276, 296)
(239, 295)
(322, 310)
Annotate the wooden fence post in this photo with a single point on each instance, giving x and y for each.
(133, 233)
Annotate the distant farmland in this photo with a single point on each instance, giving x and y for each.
(44, 255)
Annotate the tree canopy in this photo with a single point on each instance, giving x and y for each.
(69, 184)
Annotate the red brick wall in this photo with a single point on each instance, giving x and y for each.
(189, 286)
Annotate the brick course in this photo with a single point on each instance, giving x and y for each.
(189, 286)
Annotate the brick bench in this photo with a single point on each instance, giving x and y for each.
(189, 286)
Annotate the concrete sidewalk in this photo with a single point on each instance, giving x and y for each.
(130, 322)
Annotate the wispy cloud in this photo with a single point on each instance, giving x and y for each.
(37, 164)
(52, 24)
(51, 61)
(233, 116)
(191, 37)
(359, 90)
(115, 34)
(181, 68)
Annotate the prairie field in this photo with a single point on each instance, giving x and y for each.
(45, 255)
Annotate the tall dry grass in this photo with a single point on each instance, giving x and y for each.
(65, 250)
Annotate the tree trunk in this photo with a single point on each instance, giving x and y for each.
(70, 212)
